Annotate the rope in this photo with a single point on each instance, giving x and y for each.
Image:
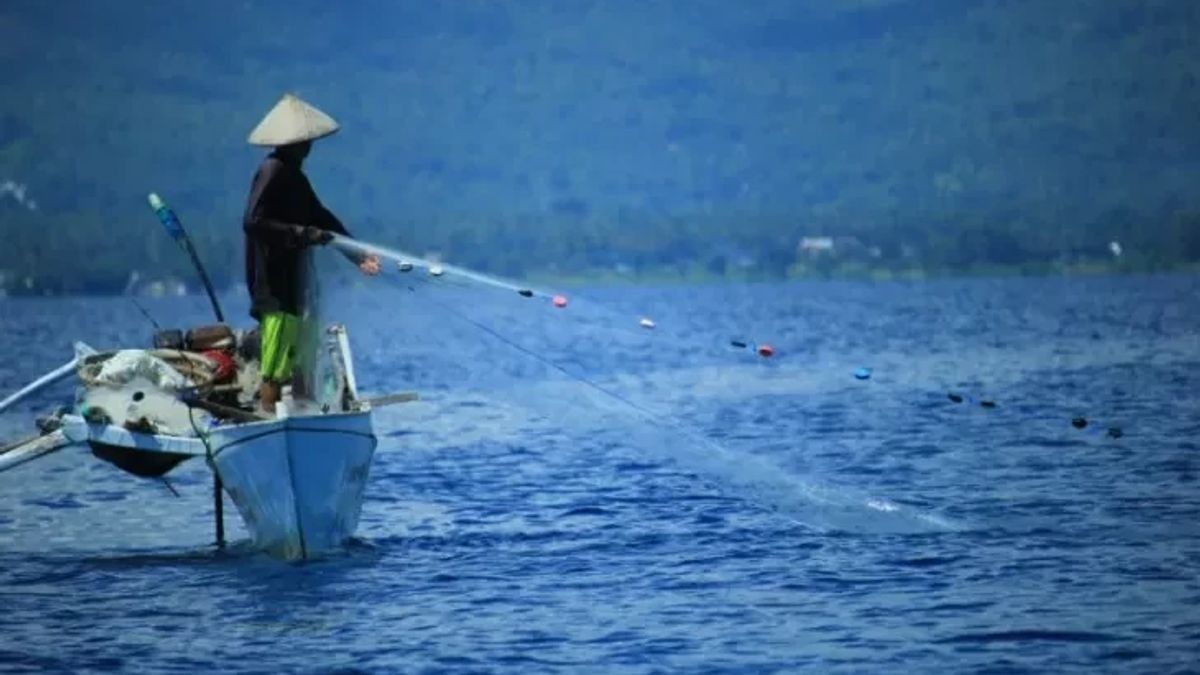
(208, 451)
(646, 413)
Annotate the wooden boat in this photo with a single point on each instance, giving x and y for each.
(297, 480)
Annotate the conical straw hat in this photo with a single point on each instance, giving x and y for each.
(292, 121)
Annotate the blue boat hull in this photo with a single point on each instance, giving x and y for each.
(298, 482)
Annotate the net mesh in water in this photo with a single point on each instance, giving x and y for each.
(609, 377)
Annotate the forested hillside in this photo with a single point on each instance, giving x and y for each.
(585, 136)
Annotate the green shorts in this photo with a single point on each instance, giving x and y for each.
(279, 332)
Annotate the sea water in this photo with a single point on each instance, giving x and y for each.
(755, 515)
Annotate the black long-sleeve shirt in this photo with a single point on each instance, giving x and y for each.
(282, 203)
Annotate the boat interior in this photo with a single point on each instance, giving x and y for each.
(188, 382)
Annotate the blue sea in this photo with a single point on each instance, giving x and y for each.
(575, 492)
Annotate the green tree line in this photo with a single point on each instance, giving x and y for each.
(592, 138)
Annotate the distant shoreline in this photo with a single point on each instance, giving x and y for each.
(1081, 270)
(173, 287)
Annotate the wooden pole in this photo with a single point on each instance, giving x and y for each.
(171, 222)
(219, 510)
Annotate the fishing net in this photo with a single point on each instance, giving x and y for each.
(316, 370)
(638, 384)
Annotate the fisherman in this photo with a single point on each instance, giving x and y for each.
(283, 218)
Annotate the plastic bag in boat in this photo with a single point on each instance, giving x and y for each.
(128, 364)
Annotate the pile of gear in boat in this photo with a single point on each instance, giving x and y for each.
(189, 380)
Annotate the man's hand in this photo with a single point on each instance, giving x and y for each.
(315, 236)
(369, 265)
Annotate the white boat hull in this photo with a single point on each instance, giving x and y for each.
(297, 482)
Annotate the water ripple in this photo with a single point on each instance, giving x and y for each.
(773, 517)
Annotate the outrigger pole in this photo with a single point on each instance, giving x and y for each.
(82, 351)
(171, 223)
(175, 228)
(49, 378)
